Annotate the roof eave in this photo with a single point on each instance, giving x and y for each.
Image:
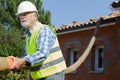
(87, 28)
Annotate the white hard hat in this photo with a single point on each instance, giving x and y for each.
(26, 6)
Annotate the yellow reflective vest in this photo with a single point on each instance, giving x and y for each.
(54, 63)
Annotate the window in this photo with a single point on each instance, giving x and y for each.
(72, 57)
(97, 58)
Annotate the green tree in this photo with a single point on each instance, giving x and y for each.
(9, 21)
(11, 32)
(8, 9)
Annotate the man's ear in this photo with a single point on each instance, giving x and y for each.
(35, 13)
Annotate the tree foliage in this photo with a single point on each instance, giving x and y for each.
(11, 31)
(10, 27)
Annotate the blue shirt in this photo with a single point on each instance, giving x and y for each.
(45, 40)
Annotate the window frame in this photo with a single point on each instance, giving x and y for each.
(72, 59)
(97, 68)
(95, 63)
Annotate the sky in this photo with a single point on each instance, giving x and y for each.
(67, 11)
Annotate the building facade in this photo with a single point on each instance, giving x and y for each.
(103, 62)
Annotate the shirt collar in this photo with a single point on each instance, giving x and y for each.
(34, 26)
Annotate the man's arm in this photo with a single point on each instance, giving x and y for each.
(45, 40)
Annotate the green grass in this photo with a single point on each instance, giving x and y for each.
(13, 75)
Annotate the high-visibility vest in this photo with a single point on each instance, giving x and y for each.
(54, 63)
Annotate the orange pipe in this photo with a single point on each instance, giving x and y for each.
(5, 63)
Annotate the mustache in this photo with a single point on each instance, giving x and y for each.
(23, 20)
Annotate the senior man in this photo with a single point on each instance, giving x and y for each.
(42, 52)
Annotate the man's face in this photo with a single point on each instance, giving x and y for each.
(27, 19)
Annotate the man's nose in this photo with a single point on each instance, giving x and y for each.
(22, 16)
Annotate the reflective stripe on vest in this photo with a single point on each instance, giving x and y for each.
(53, 64)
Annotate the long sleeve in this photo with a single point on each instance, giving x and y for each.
(45, 40)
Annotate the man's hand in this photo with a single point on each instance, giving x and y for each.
(18, 62)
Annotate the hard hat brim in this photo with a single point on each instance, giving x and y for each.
(25, 12)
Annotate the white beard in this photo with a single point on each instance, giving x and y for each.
(25, 23)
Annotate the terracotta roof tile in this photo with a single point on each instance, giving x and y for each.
(85, 24)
